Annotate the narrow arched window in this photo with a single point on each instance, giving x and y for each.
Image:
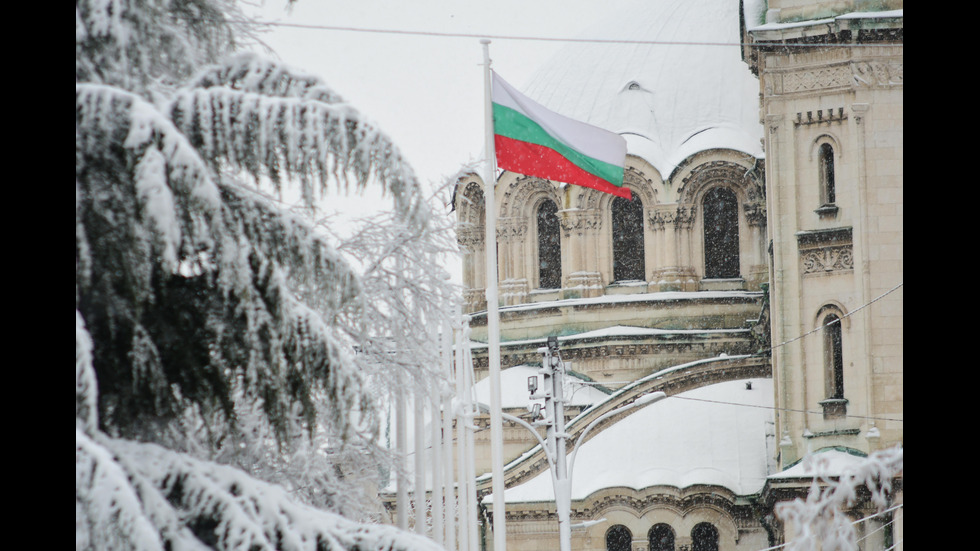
(627, 230)
(619, 538)
(720, 234)
(661, 538)
(828, 192)
(549, 246)
(833, 352)
(704, 537)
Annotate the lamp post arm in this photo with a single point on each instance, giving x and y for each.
(544, 446)
(644, 400)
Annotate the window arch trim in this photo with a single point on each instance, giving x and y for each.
(722, 260)
(547, 248)
(831, 322)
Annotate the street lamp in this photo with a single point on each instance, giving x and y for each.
(560, 464)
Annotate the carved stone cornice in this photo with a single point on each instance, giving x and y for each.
(821, 116)
(831, 70)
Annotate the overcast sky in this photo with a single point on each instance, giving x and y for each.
(424, 91)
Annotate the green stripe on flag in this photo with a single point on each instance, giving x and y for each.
(512, 124)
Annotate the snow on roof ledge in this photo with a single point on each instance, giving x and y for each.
(829, 462)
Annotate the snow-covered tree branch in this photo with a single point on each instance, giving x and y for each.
(223, 395)
(821, 521)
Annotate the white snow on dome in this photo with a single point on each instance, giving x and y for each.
(710, 435)
(686, 91)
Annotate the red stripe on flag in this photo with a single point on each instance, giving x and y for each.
(543, 162)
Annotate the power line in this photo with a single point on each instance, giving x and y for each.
(847, 315)
(781, 409)
(440, 34)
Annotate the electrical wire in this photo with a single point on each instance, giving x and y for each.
(440, 34)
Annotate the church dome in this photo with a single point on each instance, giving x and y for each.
(683, 90)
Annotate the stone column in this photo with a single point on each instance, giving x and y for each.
(758, 268)
(471, 240)
(676, 272)
(511, 234)
(580, 270)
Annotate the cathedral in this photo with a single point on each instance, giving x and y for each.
(754, 277)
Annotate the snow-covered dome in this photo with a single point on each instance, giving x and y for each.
(710, 435)
(684, 90)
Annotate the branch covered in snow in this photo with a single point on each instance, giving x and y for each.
(155, 234)
(146, 45)
(272, 122)
(143, 496)
(820, 521)
(214, 323)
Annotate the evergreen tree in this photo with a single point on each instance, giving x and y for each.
(212, 326)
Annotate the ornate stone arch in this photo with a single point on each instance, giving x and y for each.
(470, 203)
(826, 138)
(716, 174)
(745, 181)
(471, 235)
(825, 154)
(831, 307)
(517, 199)
(830, 322)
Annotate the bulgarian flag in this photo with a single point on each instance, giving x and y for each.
(532, 140)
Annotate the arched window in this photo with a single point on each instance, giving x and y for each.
(704, 537)
(828, 194)
(833, 354)
(661, 538)
(720, 234)
(627, 230)
(549, 246)
(619, 538)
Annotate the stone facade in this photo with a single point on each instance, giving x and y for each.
(818, 223)
(832, 106)
(672, 228)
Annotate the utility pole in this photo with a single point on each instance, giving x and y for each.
(553, 375)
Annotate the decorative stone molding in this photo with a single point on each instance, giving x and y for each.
(582, 285)
(878, 73)
(579, 222)
(809, 79)
(641, 185)
(475, 299)
(822, 116)
(511, 229)
(681, 217)
(518, 196)
(470, 237)
(755, 214)
(826, 252)
(470, 204)
(747, 179)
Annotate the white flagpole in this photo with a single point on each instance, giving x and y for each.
(493, 315)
